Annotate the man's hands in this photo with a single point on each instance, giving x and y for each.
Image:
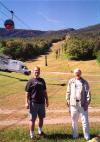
(46, 98)
(68, 103)
(27, 100)
(85, 108)
(27, 105)
(47, 103)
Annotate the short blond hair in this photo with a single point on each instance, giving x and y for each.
(37, 68)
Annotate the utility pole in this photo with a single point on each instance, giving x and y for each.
(46, 60)
(56, 54)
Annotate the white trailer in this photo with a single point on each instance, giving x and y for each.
(10, 65)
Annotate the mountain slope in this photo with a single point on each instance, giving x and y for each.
(19, 33)
(88, 32)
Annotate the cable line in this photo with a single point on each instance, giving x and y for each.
(1, 20)
(4, 6)
(4, 13)
(22, 22)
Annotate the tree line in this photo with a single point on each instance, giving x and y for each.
(25, 49)
(83, 44)
(81, 49)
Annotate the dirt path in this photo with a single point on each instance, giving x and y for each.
(60, 119)
(69, 73)
(58, 79)
(23, 111)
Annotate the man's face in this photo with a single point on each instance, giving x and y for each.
(78, 74)
(36, 72)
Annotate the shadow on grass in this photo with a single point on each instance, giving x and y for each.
(14, 77)
(93, 135)
(62, 84)
(66, 136)
(53, 137)
(59, 136)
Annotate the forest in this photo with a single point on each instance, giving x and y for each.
(83, 44)
(28, 48)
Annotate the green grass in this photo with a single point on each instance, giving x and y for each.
(12, 89)
(54, 133)
(10, 83)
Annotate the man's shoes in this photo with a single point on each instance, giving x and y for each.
(32, 138)
(76, 137)
(42, 134)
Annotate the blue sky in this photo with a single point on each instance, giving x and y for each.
(51, 14)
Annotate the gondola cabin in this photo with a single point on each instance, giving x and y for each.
(9, 24)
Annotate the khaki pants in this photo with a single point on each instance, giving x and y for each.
(75, 111)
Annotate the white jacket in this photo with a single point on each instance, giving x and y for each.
(84, 92)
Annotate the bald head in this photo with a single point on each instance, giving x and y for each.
(77, 73)
(77, 70)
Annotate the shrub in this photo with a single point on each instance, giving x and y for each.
(81, 49)
(25, 49)
(98, 56)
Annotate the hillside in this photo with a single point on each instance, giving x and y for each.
(87, 32)
(83, 44)
(19, 33)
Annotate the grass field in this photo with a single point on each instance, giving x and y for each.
(12, 95)
(12, 90)
(54, 133)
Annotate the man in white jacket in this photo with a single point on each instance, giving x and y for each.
(78, 97)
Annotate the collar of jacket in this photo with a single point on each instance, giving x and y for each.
(81, 79)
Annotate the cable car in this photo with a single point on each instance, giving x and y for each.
(9, 24)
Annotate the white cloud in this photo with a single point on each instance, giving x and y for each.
(50, 20)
